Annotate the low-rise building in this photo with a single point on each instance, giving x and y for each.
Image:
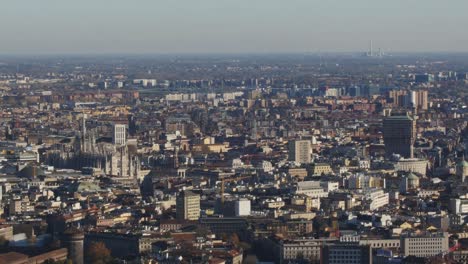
(376, 199)
(424, 245)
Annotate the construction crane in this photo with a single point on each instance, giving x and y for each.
(444, 254)
(223, 180)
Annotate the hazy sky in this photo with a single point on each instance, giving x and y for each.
(201, 26)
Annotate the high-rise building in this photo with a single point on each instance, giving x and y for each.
(409, 99)
(119, 135)
(397, 97)
(423, 78)
(399, 135)
(371, 89)
(188, 206)
(355, 91)
(16, 207)
(421, 100)
(299, 151)
(416, 100)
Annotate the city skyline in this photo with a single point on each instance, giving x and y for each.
(233, 132)
(227, 27)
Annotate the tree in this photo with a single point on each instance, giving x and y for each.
(98, 253)
(245, 246)
(414, 260)
(3, 241)
(202, 231)
(234, 239)
(51, 261)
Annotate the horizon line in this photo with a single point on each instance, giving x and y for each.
(97, 53)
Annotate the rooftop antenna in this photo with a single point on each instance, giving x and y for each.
(83, 132)
(320, 57)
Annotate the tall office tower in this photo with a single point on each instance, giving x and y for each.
(83, 133)
(132, 126)
(119, 135)
(399, 135)
(254, 130)
(188, 206)
(299, 151)
(423, 78)
(355, 91)
(83, 125)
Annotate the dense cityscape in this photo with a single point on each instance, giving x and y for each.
(230, 159)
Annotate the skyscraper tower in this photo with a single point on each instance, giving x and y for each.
(176, 152)
(119, 135)
(299, 151)
(399, 135)
(188, 206)
(131, 125)
(254, 129)
(83, 132)
(83, 125)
